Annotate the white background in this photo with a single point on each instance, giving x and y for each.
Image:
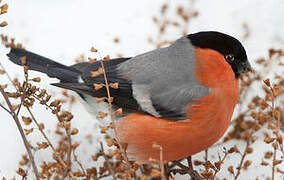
(62, 30)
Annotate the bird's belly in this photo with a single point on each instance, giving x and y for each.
(208, 121)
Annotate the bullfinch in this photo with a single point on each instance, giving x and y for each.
(180, 97)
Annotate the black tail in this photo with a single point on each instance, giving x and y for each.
(39, 63)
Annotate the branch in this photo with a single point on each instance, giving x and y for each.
(26, 143)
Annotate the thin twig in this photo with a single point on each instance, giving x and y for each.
(26, 143)
(60, 160)
(113, 123)
(2, 106)
(162, 166)
(40, 129)
(107, 161)
(239, 168)
(222, 161)
(8, 76)
(78, 162)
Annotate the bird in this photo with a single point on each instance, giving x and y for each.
(180, 97)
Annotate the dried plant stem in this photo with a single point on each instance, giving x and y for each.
(222, 161)
(69, 151)
(206, 158)
(78, 162)
(107, 161)
(8, 76)
(40, 129)
(162, 166)
(61, 161)
(273, 165)
(239, 168)
(5, 108)
(26, 143)
(113, 123)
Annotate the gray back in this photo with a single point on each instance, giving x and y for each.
(167, 74)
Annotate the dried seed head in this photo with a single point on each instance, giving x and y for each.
(26, 68)
(98, 100)
(74, 131)
(23, 60)
(3, 24)
(110, 99)
(75, 145)
(111, 152)
(103, 129)
(198, 163)
(218, 164)
(21, 172)
(37, 79)
(275, 90)
(94, 50)
(155, 173)
(114, 85)
(92, 60)
(268, 140)
(268, 154)
(4, 86)
(267, 82)
(27, 120)
(247, 164)
(276, 162)
(264, 163)
(249, 150)
(109, 142)
(42, 145)
(98, 86)
(96, 73)
(4, 9)
(106, 58)
(116, 40)
(118, 112)
(102, 114)
(95, 157)
(28, 131)
(231, 169)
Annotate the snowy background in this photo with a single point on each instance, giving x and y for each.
(62, 30)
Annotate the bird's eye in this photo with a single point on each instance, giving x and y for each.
(230, 57)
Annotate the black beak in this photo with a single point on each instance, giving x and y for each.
(244, 67)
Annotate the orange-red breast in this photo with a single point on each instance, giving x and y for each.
(180, 97)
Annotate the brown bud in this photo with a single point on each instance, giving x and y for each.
(267, 82)
(110, 99)
(247, 164)
(264, 163)
(37, 79)
(98, 100)
(23, 60)
(114, 85)
(97, 86)
(231, 169)
(92, 60)
(155, 173)
(27, 120)
(249, 150)
(276, 162)
(107, 58)
(28, 131)
(4, 9)
(74, 131)
(102, 114)
(94, 50)
(3, 24)
(118, 112)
